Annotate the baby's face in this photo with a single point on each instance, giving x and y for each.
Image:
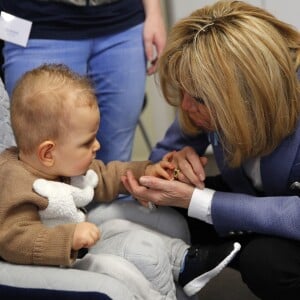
(75, 152)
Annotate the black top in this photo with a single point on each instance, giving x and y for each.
(53, 20)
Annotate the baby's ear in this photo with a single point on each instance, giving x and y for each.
(45, 153)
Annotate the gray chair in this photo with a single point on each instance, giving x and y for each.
(6, 136)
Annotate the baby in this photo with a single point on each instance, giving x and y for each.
(55, 118)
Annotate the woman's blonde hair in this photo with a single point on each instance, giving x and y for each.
(243, 63)
(42, 102)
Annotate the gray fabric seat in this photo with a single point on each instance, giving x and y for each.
(6, 136)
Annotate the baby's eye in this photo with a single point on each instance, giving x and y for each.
(88, 144)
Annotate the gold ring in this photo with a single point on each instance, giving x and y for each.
(176, 173)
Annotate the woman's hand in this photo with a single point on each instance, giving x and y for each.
(189, 166)
(158, 191)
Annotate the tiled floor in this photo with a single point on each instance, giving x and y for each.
(228, 285)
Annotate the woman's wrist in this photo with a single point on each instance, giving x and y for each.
(200, 204)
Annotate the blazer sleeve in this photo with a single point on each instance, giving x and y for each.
(176, 139)
(234, 213)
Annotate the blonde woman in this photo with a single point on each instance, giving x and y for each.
(231, 69)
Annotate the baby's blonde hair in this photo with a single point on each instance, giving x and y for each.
(42, 102)
(243, 63)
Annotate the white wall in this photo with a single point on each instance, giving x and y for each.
(158, 115)
(287, 10)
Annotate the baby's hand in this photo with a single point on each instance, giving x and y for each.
(189, 167)
(85, 235)
(163, 169)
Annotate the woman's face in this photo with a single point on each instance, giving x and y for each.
(197, 112)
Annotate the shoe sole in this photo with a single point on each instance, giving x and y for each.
(199, 282)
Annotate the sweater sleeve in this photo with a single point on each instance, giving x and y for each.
(110, 184)
(23, 237)
(235, 213)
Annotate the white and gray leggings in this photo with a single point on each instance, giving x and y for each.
(145, 260)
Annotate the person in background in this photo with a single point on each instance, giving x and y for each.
(232, 70)
(40, 223)
(111, 41)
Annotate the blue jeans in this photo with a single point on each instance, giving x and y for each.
(116, 64)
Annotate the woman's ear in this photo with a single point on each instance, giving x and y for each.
(45, 153)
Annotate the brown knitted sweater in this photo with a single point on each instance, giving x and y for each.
(23, 238)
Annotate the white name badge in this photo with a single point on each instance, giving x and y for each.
(14, 29)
